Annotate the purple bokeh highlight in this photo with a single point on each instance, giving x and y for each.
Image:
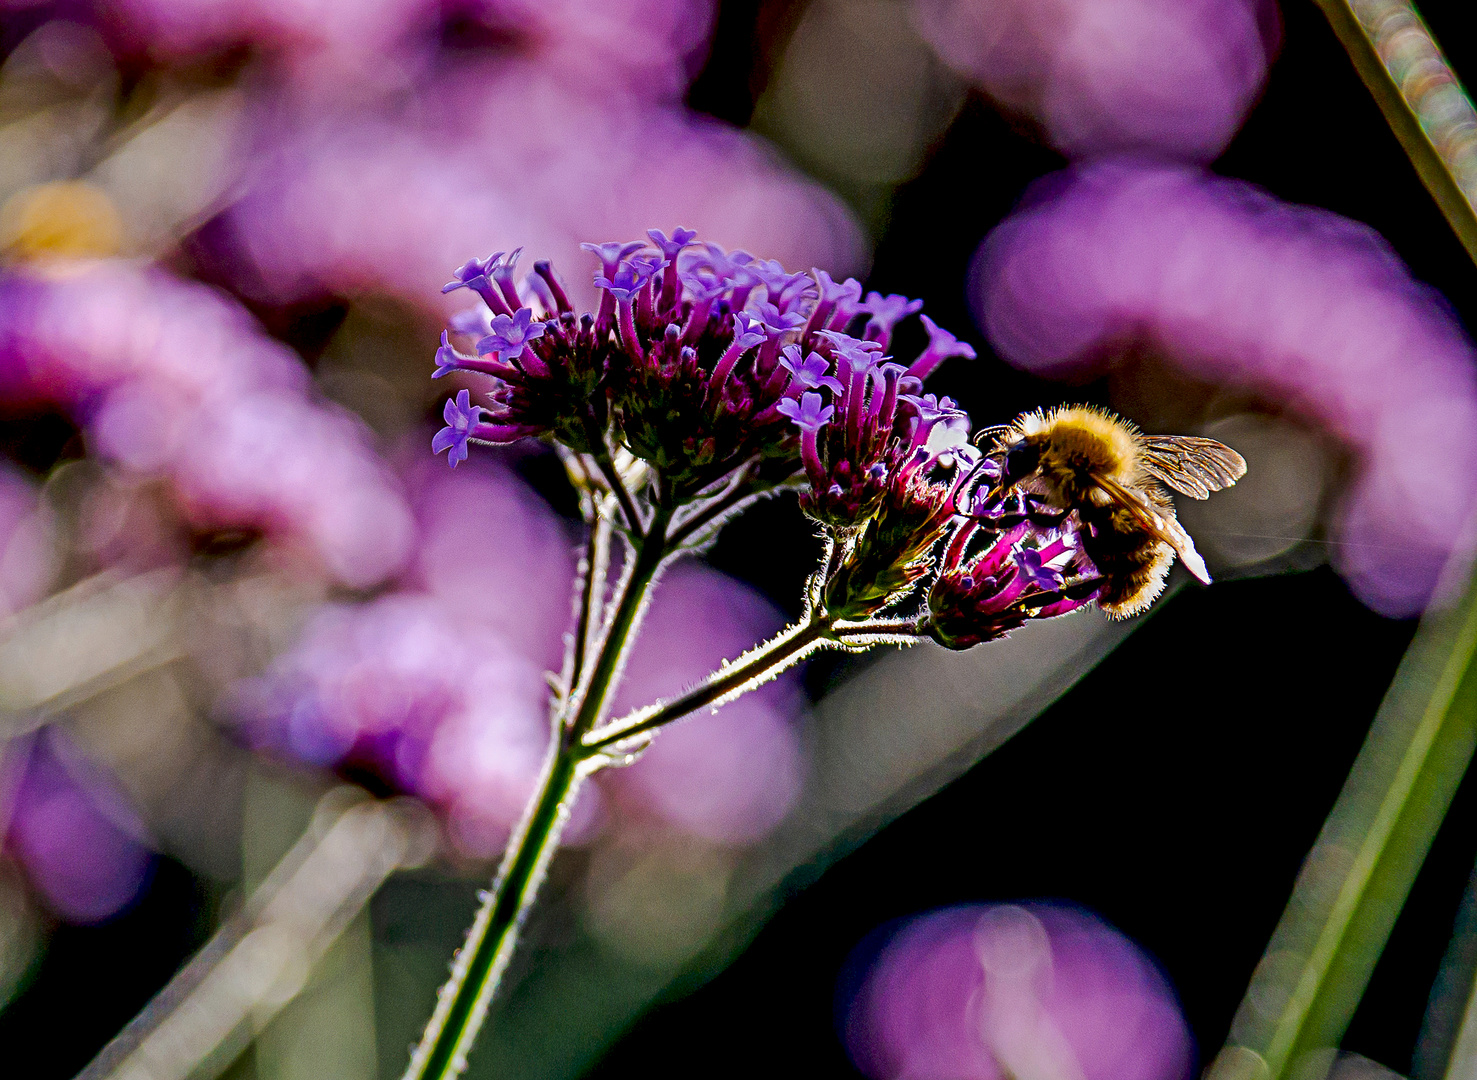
(987, 992)
(170, 377)
(1169, 77)
(82, 847)
(348, 48)
(1309, 311)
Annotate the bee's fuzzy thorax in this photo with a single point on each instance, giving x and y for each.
(1078, 442)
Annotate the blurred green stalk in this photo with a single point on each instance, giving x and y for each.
(1357, 876)
(1422, 99)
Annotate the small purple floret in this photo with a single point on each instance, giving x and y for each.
(811, 373)
(510, 333)
(776, 322)
(886, 312)
(460, 416)
(809, 413)
(941, 346)
(468, 273)
(447, 358)
(1035, 569)
(611, 253)
(670, 248)
(629, 279)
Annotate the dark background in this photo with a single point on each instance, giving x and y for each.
(1174, 791)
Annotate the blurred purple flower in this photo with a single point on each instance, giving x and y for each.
(493, 553)
(408, 687)
(370, 202)
(1294, 304)
(340, 49)
(171, 377)
(985, 992)
(83, 849)
(1174, 77)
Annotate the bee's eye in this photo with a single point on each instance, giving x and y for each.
(1020, 462)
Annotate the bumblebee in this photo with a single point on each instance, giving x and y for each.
(1116, 479)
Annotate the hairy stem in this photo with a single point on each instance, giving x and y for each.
(618, 486)
(755, 667)
(593, 569)
(463, 1001)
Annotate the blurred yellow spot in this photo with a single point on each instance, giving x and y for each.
(62, 219)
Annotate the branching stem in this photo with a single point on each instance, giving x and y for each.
(755, 667)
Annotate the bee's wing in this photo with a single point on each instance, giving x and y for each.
(1160, 522)
(1192, 466)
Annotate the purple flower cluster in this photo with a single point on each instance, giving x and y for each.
(989, 992)
(1306, 310)
(1169, 77)
(172, 379)
(704, 360)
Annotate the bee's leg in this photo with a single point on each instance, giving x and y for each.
(1011, 513)
(1040, 515)
(1078, 590)
(1084, 589)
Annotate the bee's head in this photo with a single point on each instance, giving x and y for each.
(1022, 458)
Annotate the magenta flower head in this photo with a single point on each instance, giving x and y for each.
(883, 471)
(991, 582)
(1294, 305)
(990, 992)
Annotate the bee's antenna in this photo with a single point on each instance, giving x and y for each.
(991, 433)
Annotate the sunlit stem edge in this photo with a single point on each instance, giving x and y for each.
(1435, 171)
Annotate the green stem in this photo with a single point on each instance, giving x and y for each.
(651, 552)
(1359, 872)
(462, 1004)
(480, 963)
(1421, 98)
(757, 666)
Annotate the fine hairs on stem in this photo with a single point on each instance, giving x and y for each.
(705, 381)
